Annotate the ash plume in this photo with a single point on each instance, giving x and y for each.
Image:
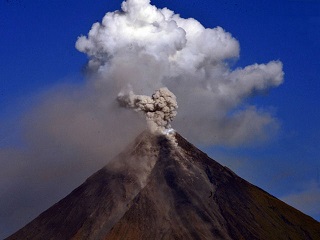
(73, 130)
(160, 108)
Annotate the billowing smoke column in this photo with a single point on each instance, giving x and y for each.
(148, 48)
(160, 108)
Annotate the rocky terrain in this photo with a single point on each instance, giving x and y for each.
(163, 187)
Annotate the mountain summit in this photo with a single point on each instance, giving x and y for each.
(163, 187)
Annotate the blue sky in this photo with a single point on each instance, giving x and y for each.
(37, 49)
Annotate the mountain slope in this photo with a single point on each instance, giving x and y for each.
(165, 188)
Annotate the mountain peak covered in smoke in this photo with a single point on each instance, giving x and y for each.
(157, 190)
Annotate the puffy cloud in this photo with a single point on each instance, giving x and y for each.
(145, 48)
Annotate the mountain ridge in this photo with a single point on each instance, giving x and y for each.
(163, 187)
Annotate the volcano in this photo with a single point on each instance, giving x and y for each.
(163, 187)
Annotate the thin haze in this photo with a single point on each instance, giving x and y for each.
(75, 129)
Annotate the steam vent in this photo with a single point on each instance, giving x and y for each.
(162, 187)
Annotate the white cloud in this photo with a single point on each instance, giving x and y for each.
(145, 48)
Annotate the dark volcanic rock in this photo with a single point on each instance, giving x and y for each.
(165, 188)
